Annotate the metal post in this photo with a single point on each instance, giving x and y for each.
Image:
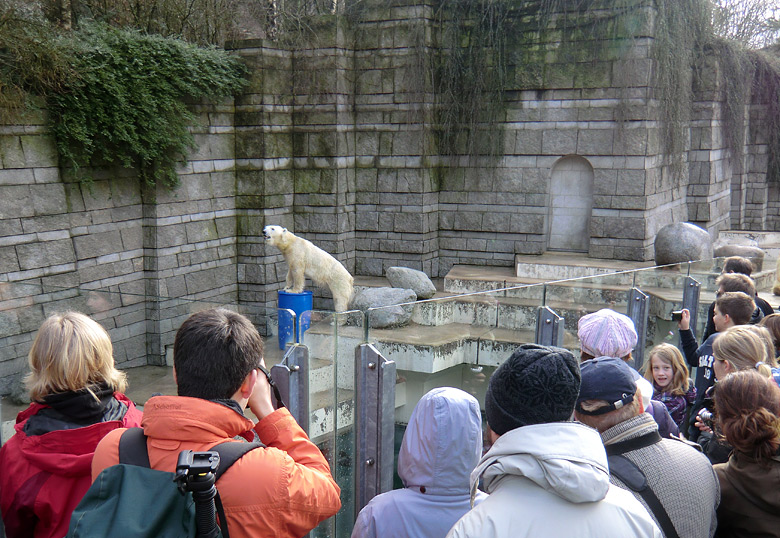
(549, 327)
(375, 424)
(638, 310)
(291, 375)
(691, 292)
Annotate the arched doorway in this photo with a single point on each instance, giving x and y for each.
(571, 204)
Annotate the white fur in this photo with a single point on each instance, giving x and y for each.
(304, 259)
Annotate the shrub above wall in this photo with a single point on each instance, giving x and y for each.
(115, 96)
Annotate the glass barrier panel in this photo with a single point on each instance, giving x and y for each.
(573, 298)
(331, 339)
(664, 285)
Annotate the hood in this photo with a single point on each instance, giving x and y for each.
(564, 458)
(442, 443)
(64, 452)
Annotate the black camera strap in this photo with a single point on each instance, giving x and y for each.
(632, 476)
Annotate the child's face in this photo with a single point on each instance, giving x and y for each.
(720, 321)
(662, 372)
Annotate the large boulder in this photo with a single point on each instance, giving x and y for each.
(754, 254)
(387, 300)
(682, 242)
(411, 279)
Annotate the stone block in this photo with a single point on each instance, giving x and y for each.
(559, 142)
(97, 244)
(39, 151)
(468, 220)
(205, 230)
(97, 195)
(48, 199)
(45, 254)
(16, 201)
(9, 262)
(594, 142)
(409, 223)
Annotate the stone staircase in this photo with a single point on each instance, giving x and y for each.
(480, 315)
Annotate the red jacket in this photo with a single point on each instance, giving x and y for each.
(45, 476)
(283, 490)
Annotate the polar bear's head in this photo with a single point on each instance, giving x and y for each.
(274, 234)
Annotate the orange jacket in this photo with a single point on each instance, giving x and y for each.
(283, 490)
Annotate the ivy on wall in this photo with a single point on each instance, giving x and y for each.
(114, 96)
(127, 105)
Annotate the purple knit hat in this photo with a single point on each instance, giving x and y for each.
(606, 333)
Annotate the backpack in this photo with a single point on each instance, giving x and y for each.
(132, 500)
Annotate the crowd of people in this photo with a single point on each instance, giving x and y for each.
(573, 446)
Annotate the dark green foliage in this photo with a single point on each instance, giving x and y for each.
(127, 104)
(30, 61)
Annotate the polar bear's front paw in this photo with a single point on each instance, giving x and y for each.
(288, 289)
(296, 290)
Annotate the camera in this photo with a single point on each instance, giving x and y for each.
(677, 315)
(707, 417)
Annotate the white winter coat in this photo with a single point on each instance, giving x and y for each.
(551, 480)
(441, 446)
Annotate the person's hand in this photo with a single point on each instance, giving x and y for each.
(685, 322)
(701, 425)
(260, 399)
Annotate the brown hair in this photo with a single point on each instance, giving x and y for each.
(736, 282)
(213, 352)
(672, 356)
(748, 407)
(746, 347)
(71, 352)
(772, 323)
(737, 305)
(738, 264)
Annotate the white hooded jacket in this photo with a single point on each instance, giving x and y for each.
(441, 446)
(551, 480)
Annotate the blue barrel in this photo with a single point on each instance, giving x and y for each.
(301, 304)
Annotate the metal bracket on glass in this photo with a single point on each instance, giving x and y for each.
(638, 310)
(549, 327)
(291, 375)
(374, 425)
(691, 293)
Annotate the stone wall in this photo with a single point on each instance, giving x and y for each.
(136, 260)
(335, 139)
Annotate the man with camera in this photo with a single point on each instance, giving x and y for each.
(283, 489)
(671, 478)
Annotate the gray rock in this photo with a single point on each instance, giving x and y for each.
(754, 254)
(385, 298)
(682, 242)
(411, 279)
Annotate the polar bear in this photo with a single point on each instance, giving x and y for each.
(304, 259)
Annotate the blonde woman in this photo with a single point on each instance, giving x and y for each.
(740, 348)
(77, 399)
(744, 347)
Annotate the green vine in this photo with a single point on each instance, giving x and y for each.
(127, 105)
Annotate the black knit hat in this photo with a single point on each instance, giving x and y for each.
(536, 385)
